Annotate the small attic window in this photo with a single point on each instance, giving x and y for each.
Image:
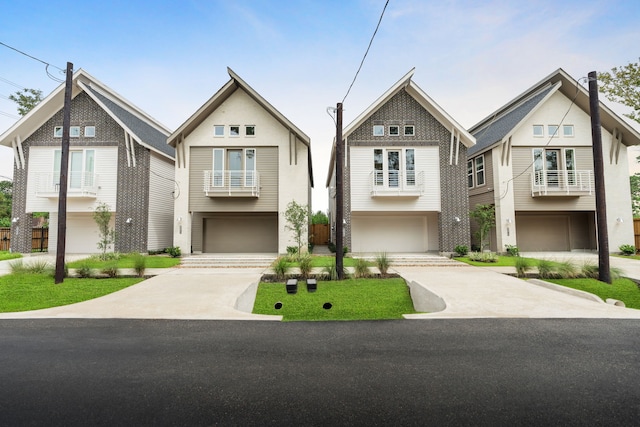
(89, 131)
(234, 130)
(538, 131)
(218, 130)
(394, 130)
(74, 131)
(57, 132)
(250, 130)
(409, 130)
(378, 130)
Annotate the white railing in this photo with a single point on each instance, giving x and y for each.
(232, 183)
(79, 184)
(562, 183)
(396, 183)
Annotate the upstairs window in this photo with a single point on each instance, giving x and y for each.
(57, 132)
(470, 173)
(567, 131)
(250, 130)
(234, 130)
(74, 131)
(409, 130)
(378, 130)
(89, 131)
(479, 164)
(218, 130)
(538, 131)
(553, 131)
(394, 130)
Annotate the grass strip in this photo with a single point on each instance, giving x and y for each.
(353, 299)
(624, 290)
(22, 292)
(126, 261)
(5, 255)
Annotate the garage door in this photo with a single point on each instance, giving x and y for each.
(543, 232)
(241, 234)
(82, 233)
(386, 233)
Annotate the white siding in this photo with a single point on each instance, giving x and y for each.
(106, 166)
(161, 189)
(361, 166)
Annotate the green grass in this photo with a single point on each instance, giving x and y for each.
(503, 261)
(5, 255)
(624, 290)
(22, 292)
(127, 261)
(626, 256)
(354, 299)
(326, 261)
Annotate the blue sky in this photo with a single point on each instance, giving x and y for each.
(169, 57)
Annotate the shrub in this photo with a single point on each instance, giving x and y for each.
(522, 266)
(84, 270)
(361, 268)
(292, 250)
(512, 250)
(18, 267)
(174, 251)
(627, 249)
(345, 250)
(589, 270)
(567, 270)
(281, 268)
(110, 269)
(305, 265)
(546, 269)
(461, 250)
(483, 257)
(38, 267)
(51, 270)
(383, 263)
(331, 272)
(139, 264)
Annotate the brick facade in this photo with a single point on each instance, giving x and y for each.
(133, 183)
(402, 109)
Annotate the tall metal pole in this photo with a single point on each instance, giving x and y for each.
(339, 194)
(64, 167)
(604, 273)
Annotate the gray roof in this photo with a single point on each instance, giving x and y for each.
(143, 130)
(502, 125)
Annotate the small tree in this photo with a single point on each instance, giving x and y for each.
(107, 236)
(26, 100)
(297, 217)
(319, 218)
(485, 216)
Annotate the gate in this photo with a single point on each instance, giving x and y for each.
(319, 234)
(5, 238)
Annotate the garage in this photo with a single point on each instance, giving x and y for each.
(241, 233)
(543, 232)
(82, 233)
(392, 233)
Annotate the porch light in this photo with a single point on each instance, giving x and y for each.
(15, 220)
(508, 221)
(456, 219)
(129, 221)
(619, 220)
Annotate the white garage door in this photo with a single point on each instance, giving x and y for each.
(82, 233)
(387, 233)
(241, 234)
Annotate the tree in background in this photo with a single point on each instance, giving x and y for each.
(635, 194)
(485, 216)
(319, 218)
(6, 190)
(106, 235)
(622, 85)
(297, 217)
(26, 100)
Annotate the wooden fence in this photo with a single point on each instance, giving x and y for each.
(636, 232)
(319, 234)
(39, 239)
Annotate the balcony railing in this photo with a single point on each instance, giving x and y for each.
(562, 183)
(390, 183)
(79, 185)
(243, 183)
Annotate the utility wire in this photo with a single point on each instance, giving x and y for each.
(11, 116)
(47, 65)
(9, 82)
(365, 54)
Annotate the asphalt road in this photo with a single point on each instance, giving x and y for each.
(435, 372)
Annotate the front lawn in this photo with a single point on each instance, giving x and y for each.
(353, 299)
(327, 261)
(22, 292)
(126, 261)
(5, 255)
(624, 290)
(503, 261)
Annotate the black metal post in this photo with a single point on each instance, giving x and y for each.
(339, 195)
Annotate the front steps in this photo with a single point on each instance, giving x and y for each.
(414, 260)
(228, 261)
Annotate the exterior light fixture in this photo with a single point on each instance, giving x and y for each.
(15, 220)
(508, 221)
(456, 219)
(129, 221)
(619, 220)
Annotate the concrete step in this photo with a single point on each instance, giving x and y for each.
(224, 260)
(422, 260)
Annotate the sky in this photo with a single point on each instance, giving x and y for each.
(169, 57)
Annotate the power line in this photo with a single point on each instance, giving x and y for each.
(11, 116)
(47, 65)
(365, 54)
(9, 82)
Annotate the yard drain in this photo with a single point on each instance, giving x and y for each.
(327, 306)
(278, 306)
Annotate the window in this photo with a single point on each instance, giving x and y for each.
(394, 167)
(410, 166)
(378, 167)
(538, 131)
(234, 130)
(570, 165)
(553, 131)
(234, 167)
(81, 168)
(218, 130)
(567, 130)
(409, 130)
(378, 130)
(250, 130)
(394, 130)
(547, 166)
(479, 164)
(470, 173)
(74, 132)
(57, 132)
(89, 131)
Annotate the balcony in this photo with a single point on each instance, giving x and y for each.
(562, 183)
(243, 183)
(80, 185)
(390, 183)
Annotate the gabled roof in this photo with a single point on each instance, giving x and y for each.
(222, 95)
(502, 123)
(421, 97)
(143, 128)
